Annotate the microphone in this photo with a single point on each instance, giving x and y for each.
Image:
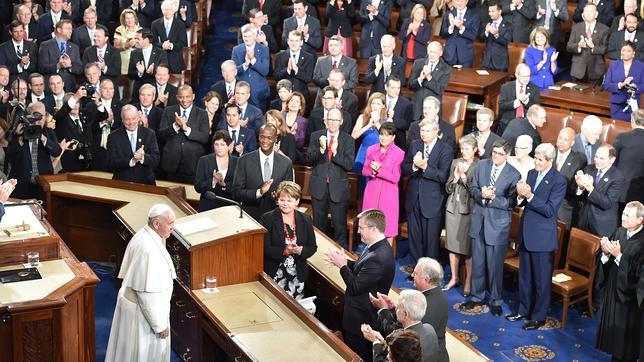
(213, 196)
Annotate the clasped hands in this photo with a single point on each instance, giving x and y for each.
(488, 192)
(181, 122)
(419, 161)
(610, 247)
(584, 181)
(524, 190)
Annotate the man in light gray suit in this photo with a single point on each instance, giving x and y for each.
(308, 25)
(494, 190)
(336, 60)
(587, 141)
(410, 310)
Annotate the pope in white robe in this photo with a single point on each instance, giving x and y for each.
(141, 325)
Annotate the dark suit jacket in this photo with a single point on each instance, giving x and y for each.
(146, 14)
(220, 87)
(179, 39)
(157, 56)
(154, 117)
(433, 87)
(446, 132)
(66, 129)
(31, 29)
(616, 41)
(495, 55)
(316, 122)
(340, 20)
(487, 153)
(271, 42)
(179, 148)
(378, 81)
(253, 114)
(248, 179)
(599, 215)
(371, 273)
(171, 91)
(314, 39)
(324, 65)
(46, 25)
(421, 39)
(112, 59)
(605, 9)
(403, 114)
(459, 48)
(271, 9)
(47, 100)
(305, 65)
(506, 102)
(518, 127)
(246, 137)
(588, 63)
(8, 52)
(427, 188)
(538, 227)
(578, 147)
(80, 37)
(349, 103)
(48, 56)
(274, 242)
(255, 74)
(373, 29)
(520, 19)
(428, 343)
(203, 181)
(573, 163)
(119, 154)
(335, 170)
(555, 21)
(103, 10)
(493, 218)
(630, 161)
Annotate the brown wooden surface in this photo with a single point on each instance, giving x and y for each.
(467, 81)
(593, 100)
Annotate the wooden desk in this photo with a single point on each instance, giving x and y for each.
(592, 100)
(326, 283)
(51, 319)
(466, 80)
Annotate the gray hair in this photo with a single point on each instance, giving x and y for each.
(546, 150)
(157, 210)
(591, 122)
(431, 270)
(414, 303)
(639, 208)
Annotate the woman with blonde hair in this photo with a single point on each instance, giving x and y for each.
(367, 127)
(541, 58)
(415, 33)
(124, 37)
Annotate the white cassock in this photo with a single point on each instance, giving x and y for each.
(143, 305)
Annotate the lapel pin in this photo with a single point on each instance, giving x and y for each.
(605, 179)
(546, 181)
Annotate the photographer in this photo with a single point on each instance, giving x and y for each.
(30, 150)
(625, 86)
(17, 101)
(74, 126)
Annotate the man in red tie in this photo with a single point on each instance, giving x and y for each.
(588, 43)
(516, 97)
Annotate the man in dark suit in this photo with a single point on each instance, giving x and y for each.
(21, 56)
(132, 151)
(31, 156)
(605, 11)
(150, 114)
(427, 164)
(446, 132)
(587, 141)
(346, 100)
(243, 138)
(336, 60)
(568, 162)
(494, 191)
(551, 14)
(170, 35)
(535, 118)
(372, 273)
(144, 61)
(226, 86)
(460, 27)
(264, 32)
(253, 62)
(102, 8)
(166, 92)
(399, 110)
(629, 33)
(259, 172)
(317, 119)
(484, 135)
(520, 13)
(72, 123)
(105, 56)
(184, 131)
(375, 25)
(251, 116)
(630, 159)
(48, 21)
(600, 186)
(588, 43)
(428, 275)
(24, 15)
(429, 77)
(83, 36)
(540, 194)
(271, 8)
(61, 56)
(308, 25)
(295, 64)
(408, 314)
(496, 34)
(331, 153)
(517, 97)
(384, 65)
(37, 92)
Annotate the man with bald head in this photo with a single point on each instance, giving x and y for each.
(517, 97)
(587, 141)
(429, 77)
(568, 162)
(384, 65)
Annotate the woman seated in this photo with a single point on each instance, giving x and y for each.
(285, 142)
(625, 80)
(521, 159)
(541, 58)
(289, 240)
(215, 172)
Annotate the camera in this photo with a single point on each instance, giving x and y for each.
(90, 89)
(30, 131)
(631, 89)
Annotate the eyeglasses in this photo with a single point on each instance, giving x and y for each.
(499, 153)
(333, 120)
(361, 227)
(328, 98)
(521, 148)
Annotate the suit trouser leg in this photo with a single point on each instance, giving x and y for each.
(339, 217)
(542, 273)
(415, 228)
(478, 268)
(526, 277)
(359, 345)
(432, 234)
(320, 210)
(495, 258)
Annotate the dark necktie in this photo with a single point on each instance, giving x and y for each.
(18, 52)
(598, 177)
(335, 64)
(234, 137)
(63, 48)
(328, 149)
(494, 175)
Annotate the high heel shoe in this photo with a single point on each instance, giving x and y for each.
(449, 286)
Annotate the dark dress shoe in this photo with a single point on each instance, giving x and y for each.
(531, 325)
(470, 304)
(515, 317)
(496, 310)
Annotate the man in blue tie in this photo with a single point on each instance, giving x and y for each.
(60, 56)
(541, 195)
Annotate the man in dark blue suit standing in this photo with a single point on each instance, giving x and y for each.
(460, 28)
(427, 164)
(132, 151)
(253, 63)
(541, 195)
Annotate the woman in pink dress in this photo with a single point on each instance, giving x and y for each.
(382, 168)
